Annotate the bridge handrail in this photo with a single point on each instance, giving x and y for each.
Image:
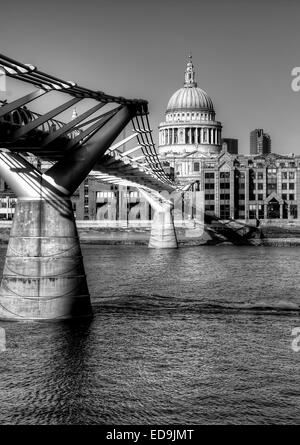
(31, 74)
(47, 82)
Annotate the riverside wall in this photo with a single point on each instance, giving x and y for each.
(189, 233)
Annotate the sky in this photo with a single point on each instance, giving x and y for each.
(243, 53)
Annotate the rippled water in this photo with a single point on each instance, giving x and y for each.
(191, 336)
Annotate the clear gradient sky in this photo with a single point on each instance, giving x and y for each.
(243, 52)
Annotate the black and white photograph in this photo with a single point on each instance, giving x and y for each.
(149, 215)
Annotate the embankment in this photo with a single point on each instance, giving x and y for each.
(93, 232)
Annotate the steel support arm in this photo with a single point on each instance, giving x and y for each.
(70, 126)
(7, 108)
(42, 119)
(68, 173)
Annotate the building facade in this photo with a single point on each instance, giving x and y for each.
(230, 145)
(190, 131)
(260, 142)
(249, 187)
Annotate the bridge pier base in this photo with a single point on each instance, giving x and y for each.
(43, 276)
(163, 235)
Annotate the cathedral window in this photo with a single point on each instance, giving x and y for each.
(187, 141)
(181, 136)
(175, 135)
(193, 135)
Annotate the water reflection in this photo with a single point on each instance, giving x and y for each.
(192, 336)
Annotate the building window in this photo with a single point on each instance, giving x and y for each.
(225, 196)
(196, 166)
(210, 207)
(284, 186)
(291, 175)
(293, 211)
(175, 136)
(210, 197)
(260, 197)
(260, 186)
(252, 211)
(284, 175)
(292, 186)
(292, 197)
(271, 188)
(209, 185)
(209, 176)
(224, 185)
(261, 213)
(241, 197)
(224, 175)
(284, 196)
(224, 211)
(103, 195)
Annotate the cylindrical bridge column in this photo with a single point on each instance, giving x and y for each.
(163, 233)
(43, 276)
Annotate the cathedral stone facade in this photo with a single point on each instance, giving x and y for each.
(190, 131)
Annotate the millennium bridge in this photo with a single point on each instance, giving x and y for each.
(43, 275)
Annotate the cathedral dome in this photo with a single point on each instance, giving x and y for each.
(190, 97)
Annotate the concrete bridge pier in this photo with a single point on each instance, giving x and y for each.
(163, 235)
(43, 276)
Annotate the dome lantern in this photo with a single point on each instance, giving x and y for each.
(189, 76)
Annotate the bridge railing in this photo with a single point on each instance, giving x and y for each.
(80, 130)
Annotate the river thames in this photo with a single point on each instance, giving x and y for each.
(196, 335)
